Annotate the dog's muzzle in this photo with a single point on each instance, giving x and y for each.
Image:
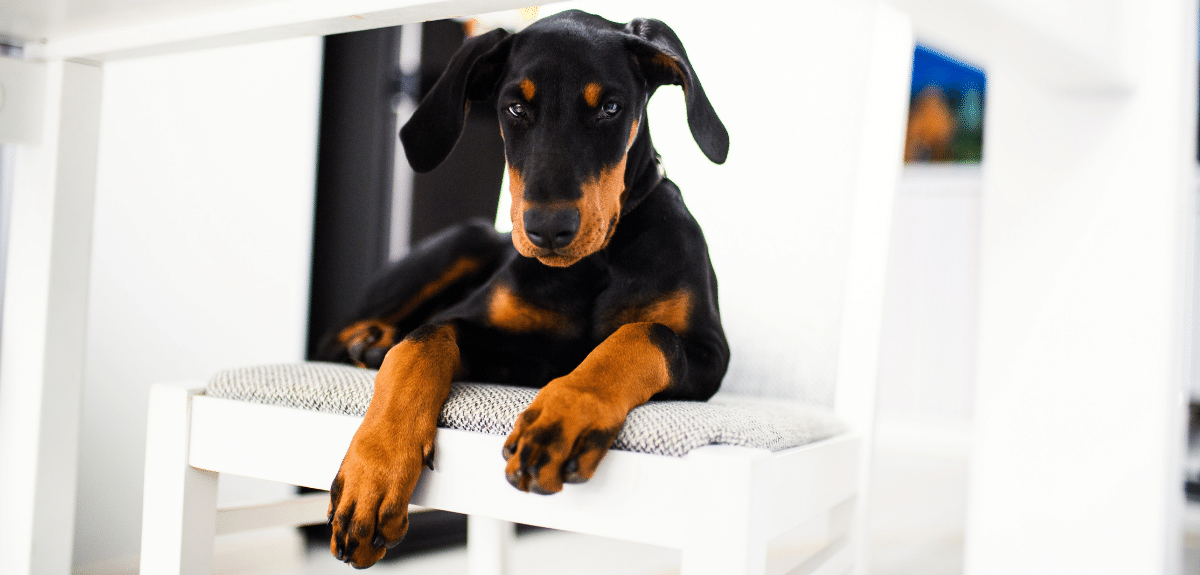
(551, 229)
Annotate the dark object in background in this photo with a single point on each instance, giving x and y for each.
(427, 531)
(1192, 464)
(354, 172)
(475, 168)
(358, 138)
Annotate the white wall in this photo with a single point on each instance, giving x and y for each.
(1086, 231)
(927, 361)
(918, 489)
(201, 251)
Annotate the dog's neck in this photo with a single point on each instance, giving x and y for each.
(642, 170)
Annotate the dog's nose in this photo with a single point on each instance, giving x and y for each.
(551, 229)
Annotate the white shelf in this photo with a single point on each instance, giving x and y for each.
(105, 30)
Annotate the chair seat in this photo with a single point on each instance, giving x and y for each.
(671, 428)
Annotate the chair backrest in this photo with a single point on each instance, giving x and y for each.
(814, 96)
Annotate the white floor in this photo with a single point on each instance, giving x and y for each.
(918, 510)
(1191, 540)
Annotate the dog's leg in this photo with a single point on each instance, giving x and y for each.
(368, 503)
(435, 274)
(573, 420)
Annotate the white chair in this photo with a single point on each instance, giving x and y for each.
(723, 506)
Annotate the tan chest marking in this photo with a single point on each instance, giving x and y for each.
(673, 310)
(507, 311)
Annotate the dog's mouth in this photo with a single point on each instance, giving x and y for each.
(563, 232)
(557, 259)
(553, 257)
(593, 240)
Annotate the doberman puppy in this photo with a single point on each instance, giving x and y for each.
(604, 296)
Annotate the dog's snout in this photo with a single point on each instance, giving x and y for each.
(551, 229)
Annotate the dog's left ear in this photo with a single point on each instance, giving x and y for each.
(435, 126)
(663, 60)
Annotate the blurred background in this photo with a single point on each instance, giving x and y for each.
(252, 258)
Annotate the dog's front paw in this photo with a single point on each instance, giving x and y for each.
(368, 503)
(561, 438)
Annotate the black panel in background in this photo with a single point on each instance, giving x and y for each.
(467, 184)
(358, 136)
(354, 172)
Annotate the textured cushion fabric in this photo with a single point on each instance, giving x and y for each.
(660, 427)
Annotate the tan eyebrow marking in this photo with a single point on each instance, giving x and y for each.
(528, 89)
(591, 94)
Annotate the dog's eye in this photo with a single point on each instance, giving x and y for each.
(517, 110)
(609, 110)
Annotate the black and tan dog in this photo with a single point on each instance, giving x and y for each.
(604, 296)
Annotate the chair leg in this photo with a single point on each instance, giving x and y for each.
(179, 504)
(844, 553)
(850, 518)
(489, 545)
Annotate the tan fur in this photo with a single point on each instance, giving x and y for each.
(528, 89)
(360, 331)
(673, 310)
(507, 311)
(516, 213)
(384, 460)
(622, 373)
(668, 62)
(599, 209)
(591, 94)
(461, 267)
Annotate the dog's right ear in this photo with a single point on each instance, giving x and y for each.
(664, 61)
(434, 128)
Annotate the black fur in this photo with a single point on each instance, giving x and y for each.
(656, 249)
(616, 266)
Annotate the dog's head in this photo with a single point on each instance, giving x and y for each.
(571, 93)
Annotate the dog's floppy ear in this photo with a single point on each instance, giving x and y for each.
(663, 60)
(434, 128)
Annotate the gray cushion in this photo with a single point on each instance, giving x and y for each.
(660, 427)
